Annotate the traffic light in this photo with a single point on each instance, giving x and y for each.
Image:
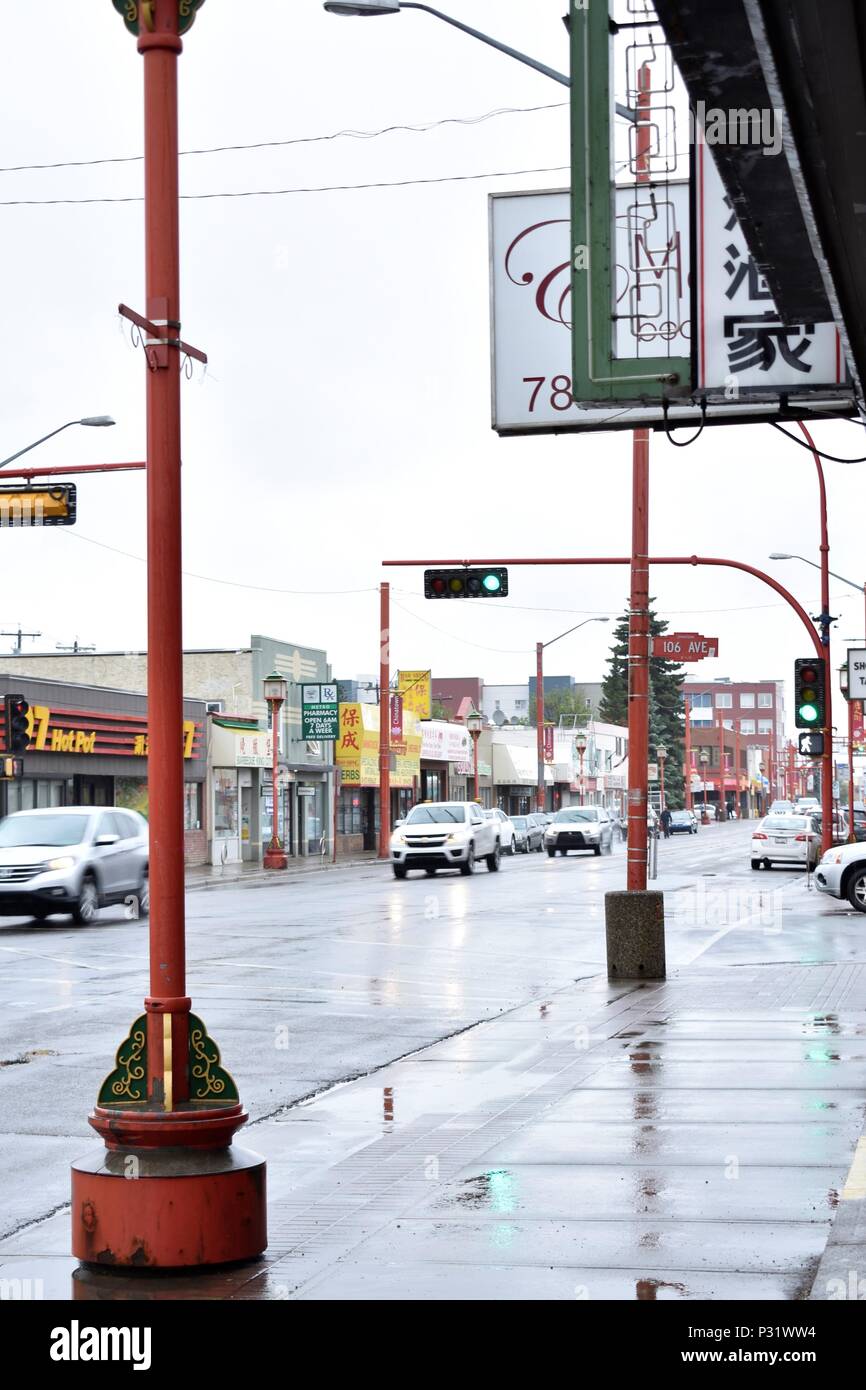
(16, 724)
(466, 583)
(809, 686)
(12, 769)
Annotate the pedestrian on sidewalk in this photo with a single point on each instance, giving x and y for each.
(666, 823)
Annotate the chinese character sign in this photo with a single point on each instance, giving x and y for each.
(743, 344)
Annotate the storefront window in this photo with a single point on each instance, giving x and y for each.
(312, 809)
(131, 792)
(191, 805)
(225, 803)
(349, 811)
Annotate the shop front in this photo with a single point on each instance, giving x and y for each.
(515, 773)
(88, 747)
(357, 758)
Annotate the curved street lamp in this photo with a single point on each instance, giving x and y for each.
(95, 421)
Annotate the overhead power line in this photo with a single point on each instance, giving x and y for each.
(282, 192)
(419, 129)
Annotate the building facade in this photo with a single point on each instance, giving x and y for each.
(739, 726)
(88, 747)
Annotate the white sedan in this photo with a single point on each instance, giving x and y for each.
(507, 832)
(790, 840)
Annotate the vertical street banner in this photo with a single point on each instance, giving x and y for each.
(548, 743)
(396, 716)
(414, 688)
(858, 733)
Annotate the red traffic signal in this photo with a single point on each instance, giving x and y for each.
(17, 724)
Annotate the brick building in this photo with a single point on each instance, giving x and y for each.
(746, 719)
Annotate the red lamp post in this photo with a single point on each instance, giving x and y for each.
(276, 689)
(475, 723)
(704, 759)
(580, 749)
(168, 1110)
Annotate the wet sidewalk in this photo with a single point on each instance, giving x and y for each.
(687, 1139)
(249, 875)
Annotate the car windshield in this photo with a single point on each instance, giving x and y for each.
(437, 815)
(680, 815)
(790, 823)
(519, 821)
(572, 813)
(18, 831)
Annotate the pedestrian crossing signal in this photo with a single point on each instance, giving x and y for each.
(809, 687)
(490, 582)
(811, 745)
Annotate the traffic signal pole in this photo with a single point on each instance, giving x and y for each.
(824, 620)
(168, 1110)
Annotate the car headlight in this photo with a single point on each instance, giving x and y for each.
(398, 838)
(66, 861)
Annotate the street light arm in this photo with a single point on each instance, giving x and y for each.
(37, 442)
(573, 629)
(493, 43)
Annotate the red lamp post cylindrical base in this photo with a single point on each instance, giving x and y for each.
(276, 859)
(169, 1208)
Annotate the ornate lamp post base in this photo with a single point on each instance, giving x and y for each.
(166, 1209)
(275, 858)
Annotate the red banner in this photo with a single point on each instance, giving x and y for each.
(548, 743)
(685, 646)
(396, 716)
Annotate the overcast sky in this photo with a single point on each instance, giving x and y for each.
(345, 415)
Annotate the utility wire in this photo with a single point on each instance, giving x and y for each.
(212, 579)
(420, 129)
(281, 192)
(803, 445)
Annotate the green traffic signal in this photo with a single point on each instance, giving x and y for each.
(809, 687)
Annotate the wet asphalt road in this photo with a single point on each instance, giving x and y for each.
(327, 978)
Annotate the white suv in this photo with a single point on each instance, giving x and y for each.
(445, 835)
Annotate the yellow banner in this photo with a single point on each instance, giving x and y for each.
(414, 686)
(357, 748)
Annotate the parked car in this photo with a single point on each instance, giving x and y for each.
(805, 805)
(710, 811)
(684, 823)
(445, 835)
(839, 822)
(579, 827)
(529, 833)
(506, 828)
(781, 808)
(841, 872)
(787, 840)
(72, 859)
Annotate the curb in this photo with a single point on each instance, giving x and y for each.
(841, 1272)
(268, 877)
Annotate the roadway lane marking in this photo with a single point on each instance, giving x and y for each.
(740, 922)
(59, 960)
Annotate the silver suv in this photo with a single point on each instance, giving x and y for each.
(579, 827)
(445, 835)
(73, 859)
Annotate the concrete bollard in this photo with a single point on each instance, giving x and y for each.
(635, 933)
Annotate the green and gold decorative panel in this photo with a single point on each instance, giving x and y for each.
(207, 1079)
(127, 1084)
(136, 12)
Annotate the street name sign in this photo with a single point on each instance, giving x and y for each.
(811, 745)
(856, 673)
(685, 646)
(320, 715)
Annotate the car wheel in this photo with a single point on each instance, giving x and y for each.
(144, 896)
(856, 890)
(756, 863)
(511, 846)
(493, 859)
(431, 873)
(468, 865)
(563, 852)
(399, 870)
(551, 854)
(88, 902)
(596, 849)
(39, 915)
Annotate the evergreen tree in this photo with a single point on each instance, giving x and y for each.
(666, 714)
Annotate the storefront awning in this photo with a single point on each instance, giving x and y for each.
(515, 765)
